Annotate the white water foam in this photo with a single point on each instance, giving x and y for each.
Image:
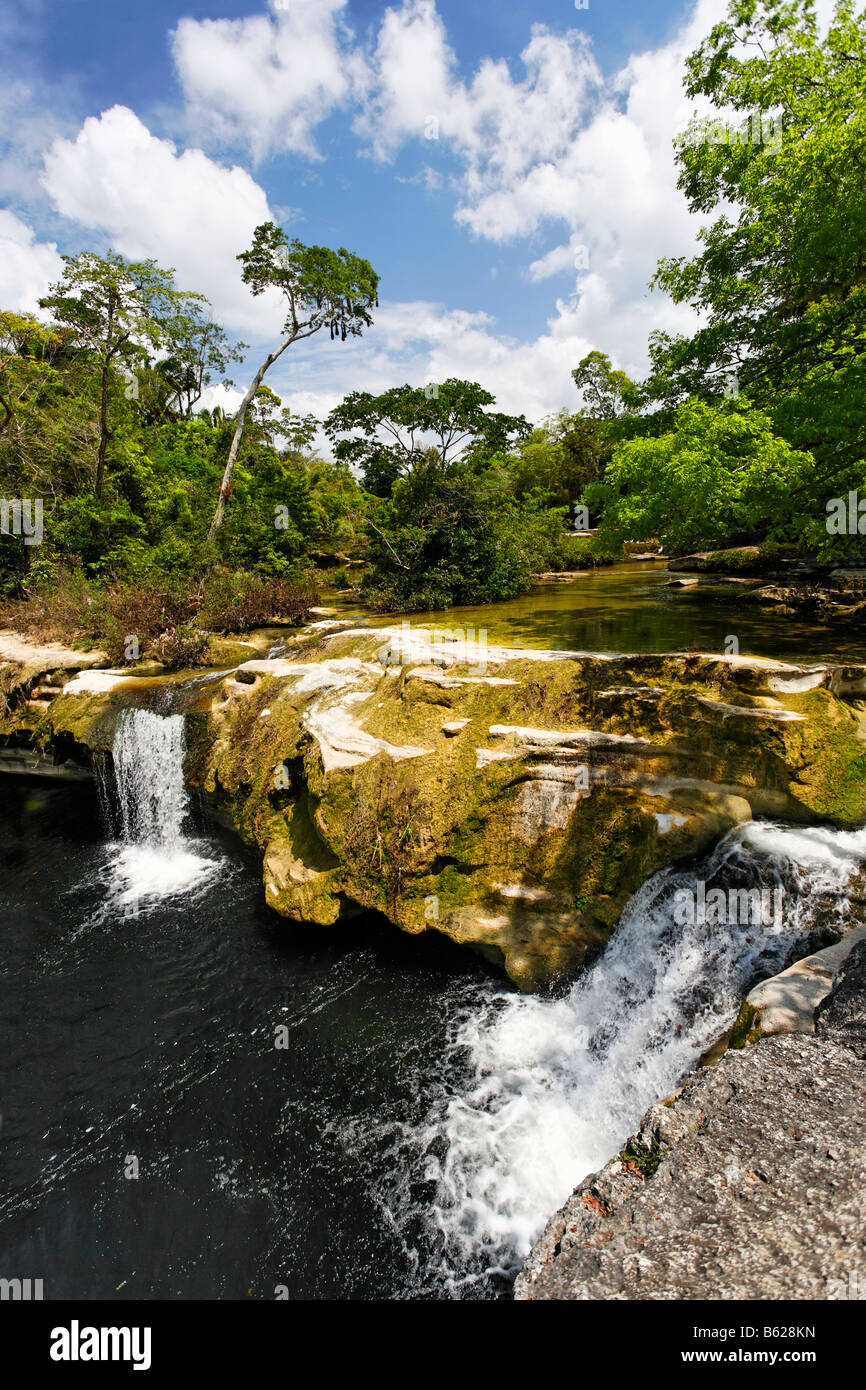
(547, 1090)
(156, 859)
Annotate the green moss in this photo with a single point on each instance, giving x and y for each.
(645, 1161)
(745, 1030)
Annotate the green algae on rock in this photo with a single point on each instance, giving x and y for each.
(511, 799)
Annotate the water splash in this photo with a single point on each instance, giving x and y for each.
(535, 1093)
(156, 859)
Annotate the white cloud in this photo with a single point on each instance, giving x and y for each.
(184, 210)
(557, 146)
(420, 342)
(266, 82)
(551, 152)
(27, 266)
(493, 122)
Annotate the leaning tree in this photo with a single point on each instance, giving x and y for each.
(321, 288)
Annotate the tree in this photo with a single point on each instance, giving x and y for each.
(446, 538)
(114, 309)
(607, 393)
(27, 349)
(322, 289)
(780, 279)
(391, 435)
(279, 426)
(48, 416)
(720, 476)
(198, 348)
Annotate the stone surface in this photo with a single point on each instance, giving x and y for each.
(787, 1002)
(760, 1186)
(574, 773)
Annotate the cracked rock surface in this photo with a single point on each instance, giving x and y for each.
(750, 1184)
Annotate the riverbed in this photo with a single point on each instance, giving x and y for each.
(201, 1099)
(631, 608)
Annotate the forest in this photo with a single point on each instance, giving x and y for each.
(160, 518)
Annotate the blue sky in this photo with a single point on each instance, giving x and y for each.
(507, 168)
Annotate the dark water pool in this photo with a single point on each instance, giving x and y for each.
(148, 1039)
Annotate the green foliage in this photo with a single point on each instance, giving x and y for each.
(720, 476)
(117, 311)
(410, 428)
(549, 545)
(779, 279)
(607, 393)
(322, 288)
(443, 539)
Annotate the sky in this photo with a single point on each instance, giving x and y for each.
(506, 167)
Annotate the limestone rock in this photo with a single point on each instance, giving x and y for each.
(750, 1183)
(575, 775)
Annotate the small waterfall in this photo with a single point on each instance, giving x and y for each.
(155, 858)
(535, 1093)
(148, 768)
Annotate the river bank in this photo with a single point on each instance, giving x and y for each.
(518, 1096)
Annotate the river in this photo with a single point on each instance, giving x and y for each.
(201, 1100)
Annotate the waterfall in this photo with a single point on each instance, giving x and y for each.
(155, 858)
(148, 767)
(535, 1093)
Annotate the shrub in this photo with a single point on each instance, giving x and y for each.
(238, 602)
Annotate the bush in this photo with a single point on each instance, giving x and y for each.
(168, 620)
(184, 645)
(443, 539)
(238, 602)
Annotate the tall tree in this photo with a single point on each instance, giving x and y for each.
(780, 275)
(116, 310)
(321, 288)
(607, 393)
(392, 434)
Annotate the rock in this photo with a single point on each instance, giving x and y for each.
(689, 582)
(787, 1002)
(750, 1183)
(744, 559)
(842, 1013)
(849, 579)
(574, 774)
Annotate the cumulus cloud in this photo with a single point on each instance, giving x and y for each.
(182, 209)
(547, 152)
(27, 266)
(266, 82)
(499, 126)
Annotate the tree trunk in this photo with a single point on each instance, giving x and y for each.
(226, 484)
(103, 432)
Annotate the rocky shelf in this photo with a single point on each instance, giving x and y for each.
(749, 1183)
(511, 799)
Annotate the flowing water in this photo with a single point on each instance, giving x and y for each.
(154, 859)
(203, 1100)
(629, 608)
